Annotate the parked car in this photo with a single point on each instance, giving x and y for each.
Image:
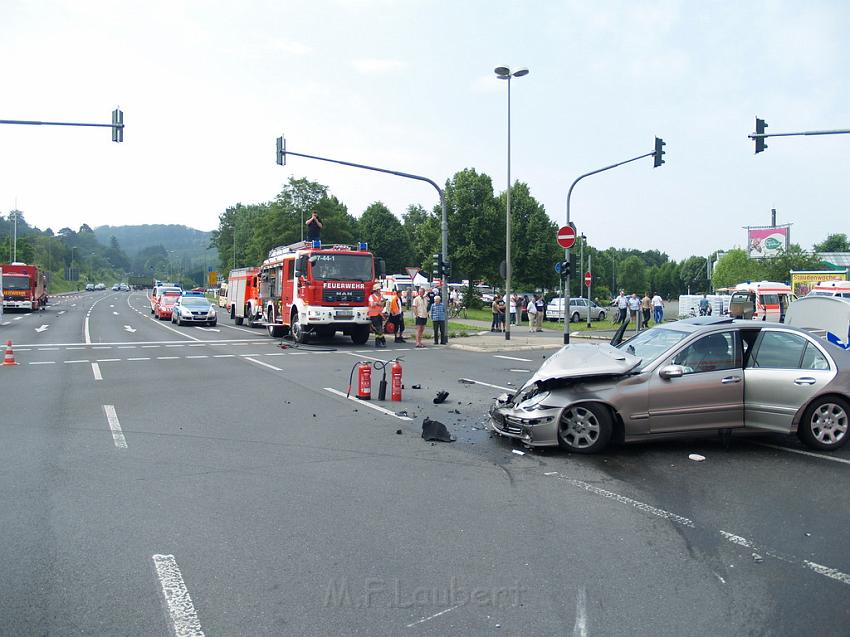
(100, 286)
(698, 374)
(116, 287)
(123, 287)
(164, 307)
(578, 310)
(194, 309)
(89, 287)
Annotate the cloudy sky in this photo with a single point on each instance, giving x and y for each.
(207, 86)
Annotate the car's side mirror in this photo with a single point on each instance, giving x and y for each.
(671, 371)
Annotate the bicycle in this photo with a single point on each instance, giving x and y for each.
(458, 311)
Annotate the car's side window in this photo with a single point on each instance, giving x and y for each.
(813, 358)
(710, 353)
(778, 350)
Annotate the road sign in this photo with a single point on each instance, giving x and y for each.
(587, 279)
(558, 267)
(412, 272)
(566, 236)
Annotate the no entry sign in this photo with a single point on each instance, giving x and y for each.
(566, 236)
(587, 279)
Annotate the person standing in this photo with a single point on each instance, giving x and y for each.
(314, 227)
(513, 308)
(657, 308)
(646, 309)
(634, 307)
(704, 306)
(376, 315)
(502, 313)
(532, 313)
(622, 304)
(396, 317)
(540, 306)
(420, 315)
(438, 320)
(494, 308)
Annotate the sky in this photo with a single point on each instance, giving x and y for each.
(206, 87)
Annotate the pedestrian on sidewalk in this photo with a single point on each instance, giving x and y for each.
(532, 313)
(646, 309)
(494, 308)
(513, 309)
(540, 306)
(420, 315)
(622, 305)
(634, 307)
(438, 320)
(657, 308)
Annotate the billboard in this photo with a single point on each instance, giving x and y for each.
(804, 280)
(765, 242)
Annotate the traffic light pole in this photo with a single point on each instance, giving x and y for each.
(117, 124)
(759, 136)
(282, 152)
(567, 251)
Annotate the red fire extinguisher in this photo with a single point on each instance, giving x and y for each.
(364, 381)
(395, 372)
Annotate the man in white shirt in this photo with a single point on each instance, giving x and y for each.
(621, 307)
(657, 308)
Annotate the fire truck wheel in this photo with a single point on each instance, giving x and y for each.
(360, 334)
(298, 333)
(275, 331)
(249, 317)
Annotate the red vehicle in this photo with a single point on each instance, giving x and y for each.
(165, 305)
(242, 296)
(24, 287)
(309, 288)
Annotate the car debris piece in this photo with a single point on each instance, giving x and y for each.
(403, 412)
(757, 557)
(696, 457)
(398, 432)
(440, 397)
(416, 386)
(453, 411)
(435, 430)
(518, 452)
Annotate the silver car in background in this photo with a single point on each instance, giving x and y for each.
(579, 307)
(699, 374)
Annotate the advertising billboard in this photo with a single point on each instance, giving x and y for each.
(765, 242)
(804, 280)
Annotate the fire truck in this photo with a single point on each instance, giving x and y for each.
(243, 302)
(314, 289)
(24, 287)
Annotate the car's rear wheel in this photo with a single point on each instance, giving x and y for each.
(585, 428)
(575, 318)
(824, 423)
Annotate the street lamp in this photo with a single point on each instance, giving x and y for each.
(505, 73)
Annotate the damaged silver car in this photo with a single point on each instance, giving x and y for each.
(699, 374)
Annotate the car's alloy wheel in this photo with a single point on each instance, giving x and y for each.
(825, 423)
(584, 428)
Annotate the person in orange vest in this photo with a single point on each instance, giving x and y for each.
(395, 310)
(376, 315)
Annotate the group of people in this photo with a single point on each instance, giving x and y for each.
(389, 310)
(534, 308)
(639, 310)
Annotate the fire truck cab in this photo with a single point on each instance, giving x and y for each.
(23, 287)
(314, 289)
(761, 301)
(243, 302)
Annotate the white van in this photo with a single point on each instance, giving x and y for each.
(831, 288)
(761, 301)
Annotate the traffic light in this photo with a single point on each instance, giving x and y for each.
(117, 125)
(760, 126)
(436, 269)
(658, 155)
(281, 151)
(447, 268)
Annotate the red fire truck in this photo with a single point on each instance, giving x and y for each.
(242, 300)
(314, 289)
(24, 287)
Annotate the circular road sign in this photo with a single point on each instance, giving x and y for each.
(566, 236)
(587, 279)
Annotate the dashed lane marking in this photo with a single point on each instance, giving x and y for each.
(368, 404)
(95, 368)
(254, 360)
(115, 427)
(513, 358)
(481, 382)
(181, 610)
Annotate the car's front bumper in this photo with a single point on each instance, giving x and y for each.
(535, 429)
(198, 318)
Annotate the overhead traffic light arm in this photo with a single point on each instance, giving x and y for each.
(759, 136)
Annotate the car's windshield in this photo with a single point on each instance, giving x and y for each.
(651, 344)
(194, 301)
(15, 282)
(342, 267)
(169, 299)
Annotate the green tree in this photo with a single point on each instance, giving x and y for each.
(633, 275)
(533, 248)
(735, 267)
(116, 257)
(386, 236)
(693, 275)
(423, 232)
(476, 230)
(833, 243)
(779, 268)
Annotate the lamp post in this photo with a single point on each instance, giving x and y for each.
(72, 262)
(505, 73)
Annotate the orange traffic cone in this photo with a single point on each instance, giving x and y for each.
(9, 359)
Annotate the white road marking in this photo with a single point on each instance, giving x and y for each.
(139, 358)
(115, 313)
(802, 453)
(95, 368)
(844, 578)
(179, 345)
(115, 427)
(478, 382)
(442, 612)
(366, 403)
(48, 349)
(580, 627)
(108, 360)
(42, 328)
(17, 318)
(200, 356)
(241, 329)
(102, 347)
(129, 328)
(6, 323)
(519, 370)
(356, 355)
(512, 358)
(224, 356)
(149, 346)
(61, 313)
(126, 347)
(254, 360)
(167, 358)
(42, 363)
(184, 618)
(208, 329)
(82, 361)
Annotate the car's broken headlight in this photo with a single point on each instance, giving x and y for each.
(533, 400)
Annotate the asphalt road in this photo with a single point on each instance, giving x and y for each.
(165, 480)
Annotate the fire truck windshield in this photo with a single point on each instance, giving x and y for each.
(11, 282)
(341, 267)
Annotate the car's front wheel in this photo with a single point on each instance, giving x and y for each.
(824, 424)
(601, 316)
(585, 428)
(575, 318)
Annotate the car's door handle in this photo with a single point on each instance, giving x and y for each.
(731, 379)
(805, 380)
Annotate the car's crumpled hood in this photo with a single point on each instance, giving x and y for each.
(579, 360)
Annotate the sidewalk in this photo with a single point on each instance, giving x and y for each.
(522, 339)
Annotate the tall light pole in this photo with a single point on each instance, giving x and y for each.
(72, 262)
(505, 73)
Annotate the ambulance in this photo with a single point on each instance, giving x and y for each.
(831, 288)
(761, 301)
